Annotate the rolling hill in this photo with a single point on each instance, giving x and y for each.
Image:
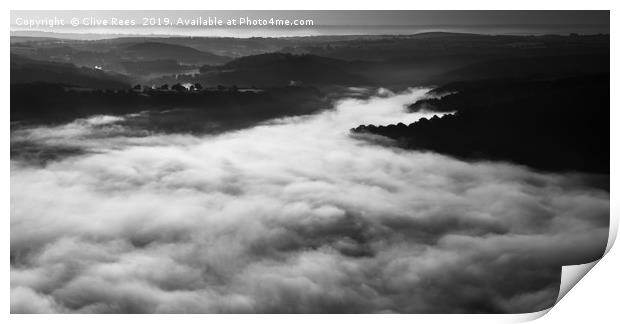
(150, 51)
(278, 69)
(24, 70)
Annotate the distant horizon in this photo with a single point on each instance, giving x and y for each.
(101, 36)
(318, 23)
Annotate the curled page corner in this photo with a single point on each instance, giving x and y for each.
(613, 232)
(572, 274)
(528, 317)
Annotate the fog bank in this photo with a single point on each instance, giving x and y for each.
(294, 215)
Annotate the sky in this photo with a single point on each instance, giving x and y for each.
(323, 22)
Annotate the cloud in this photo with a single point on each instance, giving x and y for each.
(293, 215)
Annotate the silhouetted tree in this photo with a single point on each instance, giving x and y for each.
(198, 86)
(178, 87)
(164, 87)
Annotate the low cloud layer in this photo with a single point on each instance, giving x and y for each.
(291, 216)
